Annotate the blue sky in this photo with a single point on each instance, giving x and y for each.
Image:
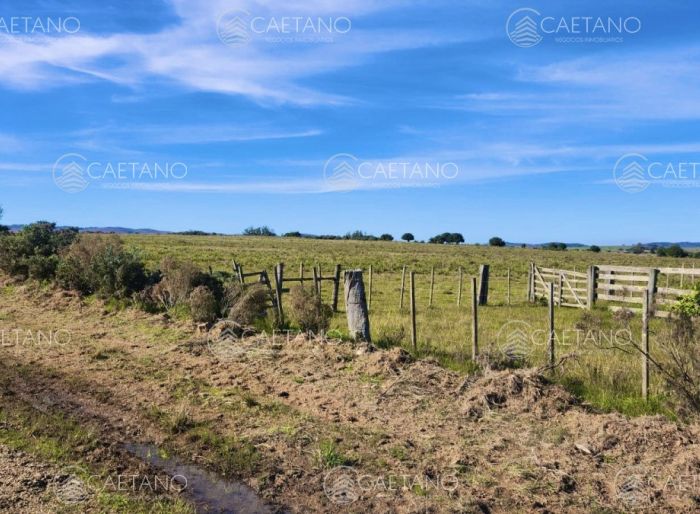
(534, 133)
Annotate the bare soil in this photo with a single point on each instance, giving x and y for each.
(333, 426)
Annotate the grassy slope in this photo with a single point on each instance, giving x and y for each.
(606, 378)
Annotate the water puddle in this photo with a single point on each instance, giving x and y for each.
(206, 490)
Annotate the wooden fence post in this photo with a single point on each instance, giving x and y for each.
(508, 288)
(560, 295)
(653, 281)
(592, 279)
(459, 288)
(412, 291)
(356, 306)
(301, 273)
(483, 284)
(403, 282)
(475, 321)
(279, 280)
(336, 287)
(645, 346)
(552, 334)
(531, 283)
(241, 278)
(432, 285)
(316, 281)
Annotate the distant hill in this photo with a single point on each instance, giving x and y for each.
(108, 230)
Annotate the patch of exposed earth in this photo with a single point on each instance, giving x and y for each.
(336, 426)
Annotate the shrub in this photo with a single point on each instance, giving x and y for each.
(97, 263)
(203, 304)
(496, 241)
(245, 304)
(42, 267)
(594, 249)
(308, 311)
(33, 247)
(689, 305)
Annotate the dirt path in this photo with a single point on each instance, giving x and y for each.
(315, 426)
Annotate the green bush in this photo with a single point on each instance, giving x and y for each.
(32, 251)
(689, 305)
(99, 264)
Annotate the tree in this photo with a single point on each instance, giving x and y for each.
(595, 249)
(672, 251)
(259, 231)
(447, 238)
(292, 234)
(3, 228)
(496, 241)
(408, 237)
(386, 237)
(555, 246)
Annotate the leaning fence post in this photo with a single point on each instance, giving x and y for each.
(483, 284)
(279, 280)
(645, 346)
(336, 286)
(356, 306)
(475, 321)
(412, 291)
(550, 343)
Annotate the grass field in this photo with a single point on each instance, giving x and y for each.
(608, 378)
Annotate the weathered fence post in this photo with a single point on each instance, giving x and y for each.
(432, 285)
(315, 279)
(459, 288)
(475, 321)
(483, 284)
(356, 306)
(403, 282)
(531, 283)
(412, 291)
(301, 273)
(336, 287)
(645, 345)
(508, 288)
(592, 279)
(241, 278)
(279, 280)
(653, 281)
(560, 295)
(552, 334)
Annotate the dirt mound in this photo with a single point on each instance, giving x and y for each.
(389, 362)
(520, 391)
